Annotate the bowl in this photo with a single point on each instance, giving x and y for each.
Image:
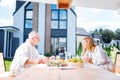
(77, 64)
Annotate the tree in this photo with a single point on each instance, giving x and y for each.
(100, 31)
(96, 31)
(107, 35)
(117, 34)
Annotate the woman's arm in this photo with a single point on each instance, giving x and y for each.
(83, 49)
(100, 55)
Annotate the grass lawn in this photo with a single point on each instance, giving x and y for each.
(7, 63)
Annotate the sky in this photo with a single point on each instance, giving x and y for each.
(87, 18)
(92, 18)
(6, 11)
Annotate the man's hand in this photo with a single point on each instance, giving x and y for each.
(42, 61)
(52, 58)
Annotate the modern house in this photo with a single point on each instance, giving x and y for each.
(57, 27)
(98, 39)
(8, 43)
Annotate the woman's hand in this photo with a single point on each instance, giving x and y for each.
(87, 59)
(83, 49)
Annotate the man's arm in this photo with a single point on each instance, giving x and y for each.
(32, 61)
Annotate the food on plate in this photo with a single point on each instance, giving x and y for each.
(57, 63)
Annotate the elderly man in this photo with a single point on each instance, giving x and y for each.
(26, 55)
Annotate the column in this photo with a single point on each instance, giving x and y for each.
(35, 16)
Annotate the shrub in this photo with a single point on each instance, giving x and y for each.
(48, 54)
(108, 49)
(79, 51)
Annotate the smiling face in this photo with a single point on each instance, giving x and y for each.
(34, 38)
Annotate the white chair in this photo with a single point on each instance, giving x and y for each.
(3, 73)
(117, 63)
(2, 66)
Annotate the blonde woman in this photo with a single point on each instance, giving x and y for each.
(96, 55)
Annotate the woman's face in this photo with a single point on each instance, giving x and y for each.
(85, 44)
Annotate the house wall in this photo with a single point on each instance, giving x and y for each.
(114, 43)
(43, 23)
(48, 28)
(41, 27)
(19, 23)
(79, 39)
(71, 33)
(35, 16)
(2, 41)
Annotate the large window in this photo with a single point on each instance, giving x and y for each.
(28, 24)
(54, 24)
(55, 15)
(59, 18)
(28, 15)
(28, 19)
(57, 43)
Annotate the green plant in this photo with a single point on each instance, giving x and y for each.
(108, 49)
(48, 54)
(79, 51)
(7, 63)
(113, 53)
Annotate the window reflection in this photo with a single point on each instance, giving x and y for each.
(29, 6)
(57, 43)
(54, 24)
(59, 18)
(63, 24)
(54, 45)
(28, 19)
(54, 14)
(63, 14)
(28, 24)
(29, 14)
(62, 43)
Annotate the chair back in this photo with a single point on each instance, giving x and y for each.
(117, 62)
(2, 67)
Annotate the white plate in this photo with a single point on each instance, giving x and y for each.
(62, 68)
(90, 66)
(66, 68)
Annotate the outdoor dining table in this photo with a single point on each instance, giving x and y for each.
(87, 72)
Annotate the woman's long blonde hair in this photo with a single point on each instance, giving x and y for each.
(90, 41)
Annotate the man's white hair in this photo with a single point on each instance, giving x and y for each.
(32, 34)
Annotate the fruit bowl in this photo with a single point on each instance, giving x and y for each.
(75, 62)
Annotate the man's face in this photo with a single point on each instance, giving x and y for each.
(36, 40)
